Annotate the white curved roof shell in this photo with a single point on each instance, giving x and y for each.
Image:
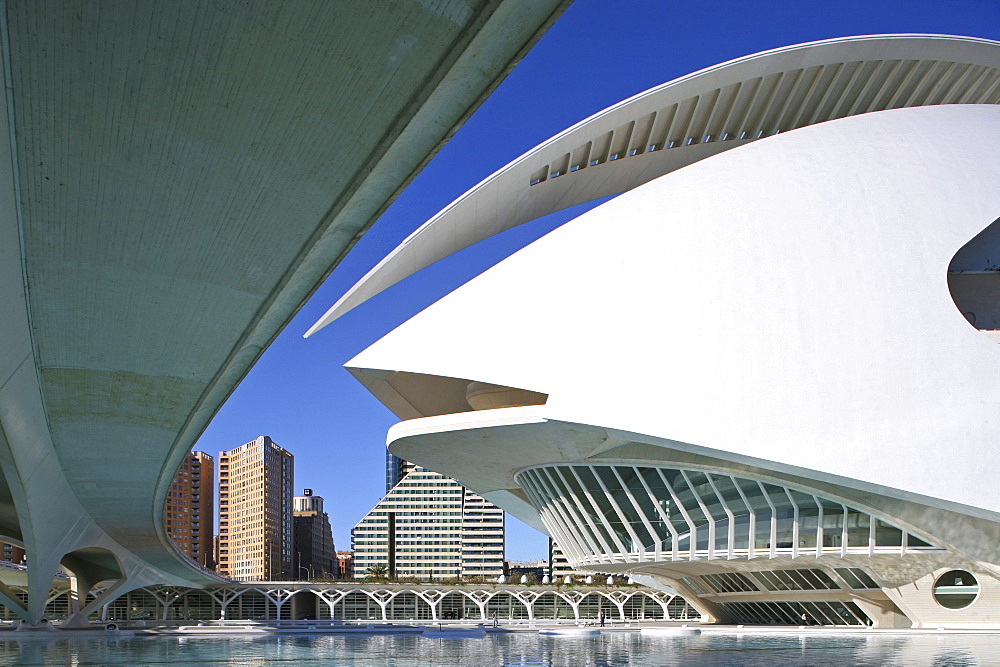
(785, 302)
(689, 119)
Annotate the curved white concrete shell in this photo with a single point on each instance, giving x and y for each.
(176, 179)
(761, 370)
(686, 120)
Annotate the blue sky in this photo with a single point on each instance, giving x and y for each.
(598, 53)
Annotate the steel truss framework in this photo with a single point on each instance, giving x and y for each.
(631, 514)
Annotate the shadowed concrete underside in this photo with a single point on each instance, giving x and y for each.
(178, 178)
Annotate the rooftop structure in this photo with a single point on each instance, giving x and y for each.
(177, 179)
(759, 375)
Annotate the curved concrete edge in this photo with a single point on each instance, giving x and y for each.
(54, 521)
(486, 453)
(873, 263)
(503, 200)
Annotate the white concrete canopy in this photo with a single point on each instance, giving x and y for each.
(177, 179)
(691, 118)
(761, 378)
(800, 316)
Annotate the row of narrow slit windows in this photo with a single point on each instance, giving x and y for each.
(690, 121)
(611, 509)
(796, 613)
(540, 177)
(812, 579)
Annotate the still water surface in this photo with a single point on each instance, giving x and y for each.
(509, 649)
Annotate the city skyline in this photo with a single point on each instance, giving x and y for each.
(299, 391)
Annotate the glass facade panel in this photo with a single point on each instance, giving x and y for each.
(887, 535)
(856, 578)
(741, 513)
(761, 510)
(864, 578)
(721, 535)
(606, 517)
(801, 582)
(621, 496)
(694, 584)
(785, 513)
(791, 613)
(655, 483)
(822, 579)
(729, 582)
(858, 529)
(640, 496)
(833, 524)
(765, 579)
(848, 576)
(808, 519)
(701, 486)
(686, 497)
(788, 584)
(578, 503)
(607, 513)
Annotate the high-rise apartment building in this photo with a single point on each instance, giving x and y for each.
(395, 470)
(255, 511)
(345, 561)
(559, 566)
(11, 553)
(315, 554)
(429, 526)
(188, 512)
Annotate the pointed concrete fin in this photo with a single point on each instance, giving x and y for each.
(608, 444)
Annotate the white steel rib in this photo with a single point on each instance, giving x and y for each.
(689, 119)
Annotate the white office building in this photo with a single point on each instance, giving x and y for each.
(429, 526)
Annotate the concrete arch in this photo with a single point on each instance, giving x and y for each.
(507, 605)
(261, 605)
(409, 605)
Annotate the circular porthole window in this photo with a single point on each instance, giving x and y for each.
(956, 589)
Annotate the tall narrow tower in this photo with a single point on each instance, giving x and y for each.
(188, 512)
(255, 511)
(315, 553)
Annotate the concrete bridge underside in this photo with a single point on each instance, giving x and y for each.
(176, 179)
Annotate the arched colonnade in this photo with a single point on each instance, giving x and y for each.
(374, 603)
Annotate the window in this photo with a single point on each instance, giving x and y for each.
(956, 589)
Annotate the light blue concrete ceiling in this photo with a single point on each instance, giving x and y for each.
(181, 176)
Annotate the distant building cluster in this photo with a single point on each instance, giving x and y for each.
(428, 526)
(265, 533)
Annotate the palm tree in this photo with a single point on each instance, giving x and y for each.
(377, 571)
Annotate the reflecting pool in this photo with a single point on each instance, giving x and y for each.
(618, 648)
